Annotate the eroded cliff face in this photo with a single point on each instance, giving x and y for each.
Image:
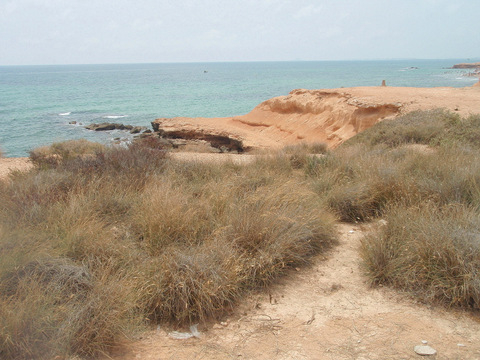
(317, 116)
(330, 116)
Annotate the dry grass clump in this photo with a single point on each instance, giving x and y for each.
(429, 195)
(101, 243)
(64, 151)
(307, 148)
(251, 234)
(359, 179)
(429, 250)
(433, 127)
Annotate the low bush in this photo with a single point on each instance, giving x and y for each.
(359, 179)
(104, 241)
(64, 151)
(433, 127)
(431, 251)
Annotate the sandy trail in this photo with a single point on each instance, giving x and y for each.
(326, 311)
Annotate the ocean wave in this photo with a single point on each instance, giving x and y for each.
(114, 116)
(65, 114)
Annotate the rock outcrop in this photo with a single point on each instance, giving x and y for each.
(116, 126)
(330, 115)
(467, 66)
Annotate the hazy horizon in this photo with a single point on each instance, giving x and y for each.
(473, 59)
(55, 32)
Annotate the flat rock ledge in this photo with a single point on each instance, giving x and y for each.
(116, 126)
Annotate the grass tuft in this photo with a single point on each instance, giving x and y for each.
(431, 251)
(102, 240)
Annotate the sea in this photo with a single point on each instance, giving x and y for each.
(40, 105)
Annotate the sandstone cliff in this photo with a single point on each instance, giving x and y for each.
(329, 115)
(467, 66)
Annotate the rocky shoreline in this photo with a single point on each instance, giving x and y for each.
(179, 141)
(475, 67)
(118, 126)
(329, 116)
(467, 66)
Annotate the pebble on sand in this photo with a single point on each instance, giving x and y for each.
(424, 350)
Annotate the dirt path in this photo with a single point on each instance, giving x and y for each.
(324, 312)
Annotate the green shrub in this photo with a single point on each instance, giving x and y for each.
(419, 127)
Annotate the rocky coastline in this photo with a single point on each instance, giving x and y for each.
(474, 67)
(329, 116)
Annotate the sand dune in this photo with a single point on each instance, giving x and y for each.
(328, 115)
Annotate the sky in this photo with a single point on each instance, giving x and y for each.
(37, 32)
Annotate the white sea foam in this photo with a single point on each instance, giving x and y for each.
(65, 114)
(114, 116)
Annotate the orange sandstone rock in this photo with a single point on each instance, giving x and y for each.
(328, 115)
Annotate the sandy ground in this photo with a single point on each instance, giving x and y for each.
(8, 165)
(213, 157)
(326, 311)
(11, 164)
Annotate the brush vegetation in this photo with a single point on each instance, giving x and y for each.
(104, 241)
(100, 242)
(421, 172)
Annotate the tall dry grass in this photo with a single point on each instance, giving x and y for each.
(421, 172)
(429, 250)
(384, 165)
(103, 241)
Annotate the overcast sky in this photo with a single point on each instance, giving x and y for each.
(137, 31)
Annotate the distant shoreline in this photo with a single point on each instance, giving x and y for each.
(475, 65)
(140, 93)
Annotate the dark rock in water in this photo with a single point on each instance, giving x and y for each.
(101, 127)
(108, 126)
(116, 126)
(73, 123)
(137, 129)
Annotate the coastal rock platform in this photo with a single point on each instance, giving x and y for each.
(328, 115)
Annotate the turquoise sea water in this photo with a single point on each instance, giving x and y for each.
(37, 103)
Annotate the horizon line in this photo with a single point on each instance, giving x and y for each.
(240, 61)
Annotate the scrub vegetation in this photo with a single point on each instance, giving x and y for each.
(421, 174)
(98, 243)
